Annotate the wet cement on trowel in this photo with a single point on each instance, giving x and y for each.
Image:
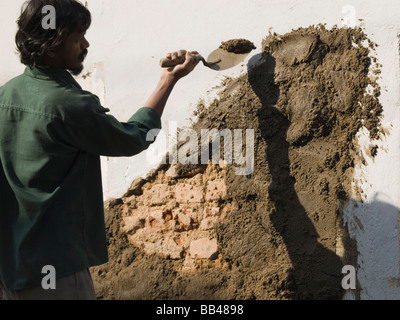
(306, 99)
(239, 46)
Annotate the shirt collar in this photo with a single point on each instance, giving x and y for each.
(51, 73)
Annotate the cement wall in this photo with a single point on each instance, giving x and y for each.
(129, 37)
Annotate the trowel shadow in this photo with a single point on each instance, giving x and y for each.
(316, 270)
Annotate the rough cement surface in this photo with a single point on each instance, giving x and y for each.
(203, 232)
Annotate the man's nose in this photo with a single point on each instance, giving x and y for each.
(86, 43)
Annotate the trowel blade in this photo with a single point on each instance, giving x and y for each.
(222, 59)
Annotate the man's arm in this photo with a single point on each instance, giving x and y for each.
(169, 77)
(91, 129)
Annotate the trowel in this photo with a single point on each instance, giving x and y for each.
(220, 59)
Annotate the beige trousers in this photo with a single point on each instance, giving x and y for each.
(77, 286)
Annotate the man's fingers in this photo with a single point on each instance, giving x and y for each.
(191, 59)
(176, 54)
(181, 53)
(184, 68)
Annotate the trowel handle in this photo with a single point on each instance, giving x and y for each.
(168, 63)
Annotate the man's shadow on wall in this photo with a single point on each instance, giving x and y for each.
(316, 270)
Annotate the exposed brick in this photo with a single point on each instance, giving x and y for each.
(167, 215)
(132, 224)
(152, 242)
(159, 194)
(186, 193)
(216, 190)
(148, 241)
(141, 212)
(204, 248)
(165, 218)
(179, 241)
(185, 219)
(154, 219)
(208, 223)
(171, 249)
(211, 211)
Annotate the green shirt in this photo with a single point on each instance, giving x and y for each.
(52, 134)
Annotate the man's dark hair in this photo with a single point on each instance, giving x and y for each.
(33, 41)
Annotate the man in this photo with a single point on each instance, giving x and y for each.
(52, 134)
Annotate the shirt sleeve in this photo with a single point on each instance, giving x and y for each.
(87, 126)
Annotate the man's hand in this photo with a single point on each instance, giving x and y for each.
(169, 77)
(181, 70)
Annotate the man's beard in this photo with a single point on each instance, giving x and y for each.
(77, 70)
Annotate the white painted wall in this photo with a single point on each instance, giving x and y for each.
(128, 37)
